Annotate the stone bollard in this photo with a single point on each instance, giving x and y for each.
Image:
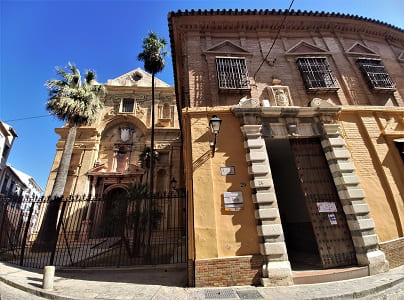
(48, 277)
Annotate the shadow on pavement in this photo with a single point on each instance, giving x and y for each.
(157, 276)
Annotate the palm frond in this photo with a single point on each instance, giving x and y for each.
(153, 53)
(72, 100)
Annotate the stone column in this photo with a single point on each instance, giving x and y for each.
(276, 269)
(352, 198)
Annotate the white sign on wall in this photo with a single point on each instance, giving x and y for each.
(227, 171)
(233, 201)
(326, 207)
(333, 219)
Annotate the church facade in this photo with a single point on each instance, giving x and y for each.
(108, 154)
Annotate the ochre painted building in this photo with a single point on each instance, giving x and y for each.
(106, 156)
(310, 142)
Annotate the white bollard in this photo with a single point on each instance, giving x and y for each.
(48, 277)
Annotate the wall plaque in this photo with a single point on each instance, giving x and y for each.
(227, 171)
(233, 201)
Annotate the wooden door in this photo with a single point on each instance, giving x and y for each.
(327, 217)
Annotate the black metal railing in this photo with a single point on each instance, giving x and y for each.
(93, 232)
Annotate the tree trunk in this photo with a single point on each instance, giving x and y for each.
(47, 234)
(152, 143)
(150, 204)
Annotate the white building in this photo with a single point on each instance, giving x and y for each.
(7, 137)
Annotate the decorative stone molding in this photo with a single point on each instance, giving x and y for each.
(280, 95)
(276, 269)
(248, 103)
(360, 223)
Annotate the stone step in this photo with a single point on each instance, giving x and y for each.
(319, 276)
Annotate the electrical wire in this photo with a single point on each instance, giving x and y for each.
(276, 37)
(20, 119)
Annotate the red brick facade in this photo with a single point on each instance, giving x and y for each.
(242, 270)
(394, 251)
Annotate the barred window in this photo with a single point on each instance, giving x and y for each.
(232, 73)
(316, 74)
(127, 105)
(375, 73)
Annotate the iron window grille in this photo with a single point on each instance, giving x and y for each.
(127, 105)
(375, 74)
(232, 73)
(316, 74)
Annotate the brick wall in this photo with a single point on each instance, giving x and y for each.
(394, 251)
(242, 270)
(197, 69)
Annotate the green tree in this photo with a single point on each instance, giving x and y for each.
(77, 102)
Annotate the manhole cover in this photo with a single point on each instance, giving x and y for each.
(220, 294)
(249, 294)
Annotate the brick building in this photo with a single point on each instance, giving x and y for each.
(307, 171)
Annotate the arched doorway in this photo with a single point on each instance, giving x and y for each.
(113, 216)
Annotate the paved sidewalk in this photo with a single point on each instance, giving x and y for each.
(135, 284)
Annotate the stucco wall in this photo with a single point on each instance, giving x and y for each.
(219, 233)
(369, 135)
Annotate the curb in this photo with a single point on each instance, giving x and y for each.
(48, 294)
(35, 291)
(367, 292)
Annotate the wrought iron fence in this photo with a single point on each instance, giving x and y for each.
(98, 232)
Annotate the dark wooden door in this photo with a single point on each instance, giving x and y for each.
(327, 217)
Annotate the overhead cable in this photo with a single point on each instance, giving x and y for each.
(277, 35)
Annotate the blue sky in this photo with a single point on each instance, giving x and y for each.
(36, 36)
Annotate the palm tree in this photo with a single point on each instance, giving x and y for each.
(154, 62)
(77, 102)
(145, 158)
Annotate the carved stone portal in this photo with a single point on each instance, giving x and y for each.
(279, 94)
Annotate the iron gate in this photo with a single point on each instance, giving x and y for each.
(95, 232)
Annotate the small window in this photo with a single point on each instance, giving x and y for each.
(316, 74)
(375, 74)
(127, 105)
(232, 73)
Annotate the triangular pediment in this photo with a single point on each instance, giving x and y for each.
(137, 77)
(303, 47)
(401, 56)
(227, 47)
(361, 49)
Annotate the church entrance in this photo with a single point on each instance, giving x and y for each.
(113, 213)
(314, 224)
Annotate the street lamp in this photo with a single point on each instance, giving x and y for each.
(214, 124)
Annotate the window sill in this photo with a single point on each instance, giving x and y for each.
(383, 90)
(234, 90)
(322, 90)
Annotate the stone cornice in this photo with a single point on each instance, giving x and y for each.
(270, 20)
(273, 12)
(288, 111)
